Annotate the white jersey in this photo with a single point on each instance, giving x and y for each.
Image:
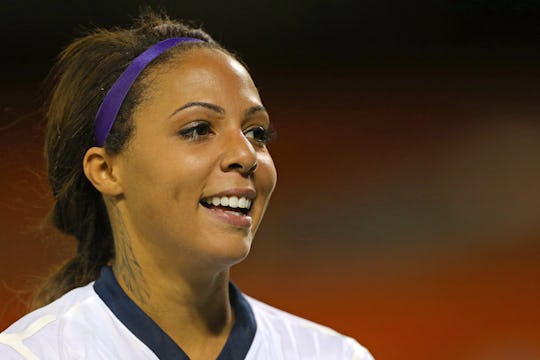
(99, 321)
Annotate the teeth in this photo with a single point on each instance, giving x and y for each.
(242, 203)
(233, 202)
(230, 201)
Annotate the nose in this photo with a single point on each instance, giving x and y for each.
(239, 155)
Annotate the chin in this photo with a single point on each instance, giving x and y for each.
(229, 251)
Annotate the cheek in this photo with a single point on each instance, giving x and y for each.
(188, 176)
(159, 175)
(267, 174)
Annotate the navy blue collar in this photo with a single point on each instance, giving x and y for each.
(143, 327)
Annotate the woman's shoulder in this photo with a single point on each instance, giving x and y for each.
(39, 331)
(79, 325)
(304, 337)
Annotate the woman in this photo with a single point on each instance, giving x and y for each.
(157, 159)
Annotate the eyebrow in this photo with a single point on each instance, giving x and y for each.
(212, 107)
(218, 109)
(255, 109)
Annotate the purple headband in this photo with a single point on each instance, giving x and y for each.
(112, 102)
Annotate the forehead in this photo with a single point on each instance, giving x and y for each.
(201, 73)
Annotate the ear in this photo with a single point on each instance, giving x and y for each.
(99, 168)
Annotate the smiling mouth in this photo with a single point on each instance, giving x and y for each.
(240, 205)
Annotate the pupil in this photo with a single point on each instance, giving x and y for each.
(259, 134)
(202, 129)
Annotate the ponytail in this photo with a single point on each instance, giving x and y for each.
(81, 213)
(79, 80)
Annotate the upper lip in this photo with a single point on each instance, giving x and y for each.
(239, 192)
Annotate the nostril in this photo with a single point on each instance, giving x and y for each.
(235, 166)
(244, 169)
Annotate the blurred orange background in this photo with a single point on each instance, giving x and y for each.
(406, 213)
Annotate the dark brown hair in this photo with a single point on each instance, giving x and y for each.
(84, 72)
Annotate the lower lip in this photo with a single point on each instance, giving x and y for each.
(230, 217)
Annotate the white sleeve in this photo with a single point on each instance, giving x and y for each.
(358, 352)
(18, 344)
(9, 353)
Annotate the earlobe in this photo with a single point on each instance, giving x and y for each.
(99, 169)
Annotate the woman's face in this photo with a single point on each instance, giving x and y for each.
(199, 141)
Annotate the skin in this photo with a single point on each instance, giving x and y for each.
(172, 254)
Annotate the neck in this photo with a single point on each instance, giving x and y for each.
(195, 313)
(189, 303)
(168, 295)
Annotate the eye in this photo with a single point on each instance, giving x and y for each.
(260, 134)
(196, 131)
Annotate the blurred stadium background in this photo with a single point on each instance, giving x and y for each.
(408, 151)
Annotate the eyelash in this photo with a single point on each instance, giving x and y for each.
(197, 132)
(201, 130)
(261, 134)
